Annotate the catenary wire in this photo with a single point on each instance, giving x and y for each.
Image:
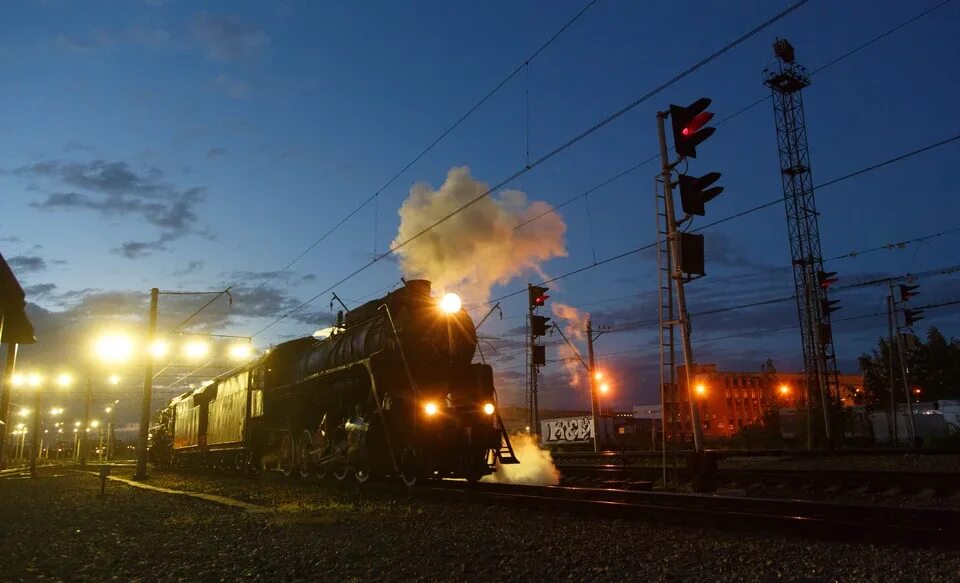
(565, 145)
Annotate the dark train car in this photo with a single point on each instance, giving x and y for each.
(393, 391)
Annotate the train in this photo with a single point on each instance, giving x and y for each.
(392, 391)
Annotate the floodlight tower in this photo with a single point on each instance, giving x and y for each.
(786, 79)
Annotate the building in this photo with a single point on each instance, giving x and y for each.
(730, 401)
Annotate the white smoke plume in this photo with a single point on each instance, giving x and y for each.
(478, 247)
(535, 468)
(574, 324)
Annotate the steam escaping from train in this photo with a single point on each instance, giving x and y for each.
(535, 468)
(574, 324)
(479, 246)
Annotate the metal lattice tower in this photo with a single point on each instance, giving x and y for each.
(787, 79)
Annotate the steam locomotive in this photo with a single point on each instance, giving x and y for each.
(392, 391)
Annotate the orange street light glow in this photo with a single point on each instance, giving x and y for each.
(701, 389)
(784, 390)
(604, 388)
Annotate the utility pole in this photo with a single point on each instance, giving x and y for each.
(35, 444)
(141, 473)
(903, 373)
(88, 395)
(893, 393)
(683, 317)
(5, 398)
(591, 373)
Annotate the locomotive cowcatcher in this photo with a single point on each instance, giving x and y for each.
(392, 391)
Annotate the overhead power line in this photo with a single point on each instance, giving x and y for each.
(735, 114)
(432, 144)
(737, 215)
(530, 166)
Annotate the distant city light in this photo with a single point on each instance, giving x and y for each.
(114, 379)
(196, 349)
(159, 349)
(241, 351)
(604, 388)
(114, 348)
(701, 389)
(784, 390)
(64, 379)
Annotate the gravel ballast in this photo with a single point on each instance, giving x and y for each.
(58, 527)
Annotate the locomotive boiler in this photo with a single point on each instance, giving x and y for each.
(393, 390)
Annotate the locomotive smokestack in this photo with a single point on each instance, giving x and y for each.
(418, 287)
(482, 244)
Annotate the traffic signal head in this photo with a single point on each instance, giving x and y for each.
(829, 306)
(912, 316)
(688, 130)
(538, 325)
(538, 295)
(906, 292)
(539, 355)
(826, 278)
(691, 254)
(694, 192)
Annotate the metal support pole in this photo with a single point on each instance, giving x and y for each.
(141, 473)
(903, 373)
(7, 388)
(35, 442)
(821, 364)
(893, 392)
(682, 315)
(593, 385)
(87, 396)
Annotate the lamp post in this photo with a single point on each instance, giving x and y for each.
(113, 349)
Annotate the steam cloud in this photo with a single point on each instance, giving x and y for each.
(535, 468)
(575, 328)
(478, 247)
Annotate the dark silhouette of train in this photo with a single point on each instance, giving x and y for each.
(392, 391)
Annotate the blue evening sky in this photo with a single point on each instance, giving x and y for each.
(192, 146)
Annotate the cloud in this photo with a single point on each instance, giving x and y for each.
(191, 267)
(232, 87)
(216, 152)
(27, 263)
(39, 289)
(114, 189)
(229, 39)
(89, 43)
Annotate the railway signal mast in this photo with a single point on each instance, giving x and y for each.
(680, 255)
(537, 297)
(786, 79)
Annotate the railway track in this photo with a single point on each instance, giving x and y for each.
(940, 483)
(821, 520)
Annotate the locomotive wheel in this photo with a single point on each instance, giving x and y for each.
(340, 474)
(362, 475)
(306, 446)
(411, 469)
(287, 456)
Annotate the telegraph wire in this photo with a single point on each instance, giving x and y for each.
(733, 216)
(737, 113)
(565, 145)
(432, 144)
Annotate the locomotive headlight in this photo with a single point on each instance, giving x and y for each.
(488, 408)
(430, 408)
(450, 303)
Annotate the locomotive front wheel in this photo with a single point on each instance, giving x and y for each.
(306, 446)
(362, 475)
(287, 456)
(340, 474)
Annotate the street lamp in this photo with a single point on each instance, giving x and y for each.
(113, 348)
(241, 351)
(196, 349)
